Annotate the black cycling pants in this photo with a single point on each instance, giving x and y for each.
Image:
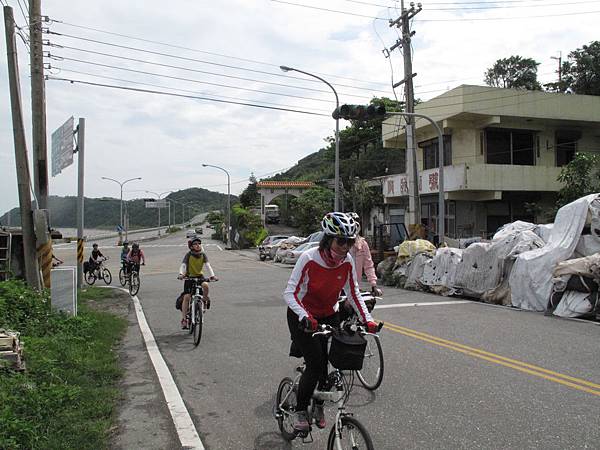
(314, 351)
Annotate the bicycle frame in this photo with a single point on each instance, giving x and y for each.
(197, 298)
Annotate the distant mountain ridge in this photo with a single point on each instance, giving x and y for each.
(104, 212)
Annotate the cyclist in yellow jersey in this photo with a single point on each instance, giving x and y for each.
(194, 264)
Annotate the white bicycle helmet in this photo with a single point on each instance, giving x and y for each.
(339, 224)
(356, 218)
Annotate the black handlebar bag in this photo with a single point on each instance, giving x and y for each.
(347, 350)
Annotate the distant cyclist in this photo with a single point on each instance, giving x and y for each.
(124, 253)
(194, 264)
(312, 296)
(96, 257)
(135, 257)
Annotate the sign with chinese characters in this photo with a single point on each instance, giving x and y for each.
(162, 203)
(62, 147)
(428, 181)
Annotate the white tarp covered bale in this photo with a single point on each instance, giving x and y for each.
(440, 273)
(414, 272)
(531, 276)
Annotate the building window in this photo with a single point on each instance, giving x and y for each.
(431, 155)
(566, 146)
(514, 147)
(429, 218)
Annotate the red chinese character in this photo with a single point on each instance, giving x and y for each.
(403, 186)
(433, 181)
(390, 187)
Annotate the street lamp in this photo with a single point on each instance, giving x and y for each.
(121, 184)
(228, 201)
(158, 196)
(336, 203)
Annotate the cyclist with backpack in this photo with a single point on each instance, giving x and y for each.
(312, 296)
(194, 264)
(135, 257)
(96, 258)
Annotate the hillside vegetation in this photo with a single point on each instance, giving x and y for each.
(105, 212)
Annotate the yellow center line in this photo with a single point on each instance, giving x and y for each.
(530, 369)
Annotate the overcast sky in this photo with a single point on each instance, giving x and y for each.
(231, 50)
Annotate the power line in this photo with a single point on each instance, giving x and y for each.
(488, 5)
(188, 69)
(148, 91)
(189, 79)
(463, 19)
(213, 54)
(180, 90)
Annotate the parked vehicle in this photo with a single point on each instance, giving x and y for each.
(199, 230)
(314, 237)
(271, 214)
(292, 255)
(190, 234)
(264, 249)
(279, 249)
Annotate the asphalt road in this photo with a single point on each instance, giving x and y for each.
(458, 375)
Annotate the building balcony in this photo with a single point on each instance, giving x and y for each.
(477, 181)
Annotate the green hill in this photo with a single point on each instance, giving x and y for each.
(105, 212)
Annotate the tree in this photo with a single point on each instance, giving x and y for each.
(310, 208)
(250, 196)
(580, 177)
(581, 72)
(514, 72)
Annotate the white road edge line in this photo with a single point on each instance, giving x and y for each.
(218, 246)
(188, 436)
(400, 305)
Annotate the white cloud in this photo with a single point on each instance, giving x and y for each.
(165, 139)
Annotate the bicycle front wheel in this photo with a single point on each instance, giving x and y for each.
(353, 436)
(285, 406)
(122, 277)
(371, 374)
(134, 283)
(198, 323)
(107, 276)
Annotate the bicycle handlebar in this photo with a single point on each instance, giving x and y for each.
(208, 280)
(326, 330)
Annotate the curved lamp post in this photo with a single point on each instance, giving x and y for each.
(228, 201)
(121, 184)
(336, 203)
(158, 196)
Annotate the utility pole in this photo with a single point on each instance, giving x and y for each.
(403, 22)
(559, 59)
(23, 178)
(38, 106)
(80, 198)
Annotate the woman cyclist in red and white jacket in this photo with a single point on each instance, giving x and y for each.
(312, 297)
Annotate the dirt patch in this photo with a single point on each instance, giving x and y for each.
(116, 302)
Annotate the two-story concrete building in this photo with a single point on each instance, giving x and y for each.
(503, 150)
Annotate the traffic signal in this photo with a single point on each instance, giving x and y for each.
(359, 112)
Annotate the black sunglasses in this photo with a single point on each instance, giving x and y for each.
(345, 241)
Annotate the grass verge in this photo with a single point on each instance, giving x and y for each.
(67, 397)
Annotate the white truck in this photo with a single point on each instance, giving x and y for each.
(271, 214)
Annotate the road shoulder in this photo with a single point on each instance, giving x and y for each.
(143, 420)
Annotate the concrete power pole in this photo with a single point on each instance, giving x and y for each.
(38, 106)
(403, 22)
(23, 179)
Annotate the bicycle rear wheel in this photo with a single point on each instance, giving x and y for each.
(371, 375)
(134, 283)
(107, 276)
(90, 278)
(198, 316)
(122, 277)
(285, 406)
(353, 436)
